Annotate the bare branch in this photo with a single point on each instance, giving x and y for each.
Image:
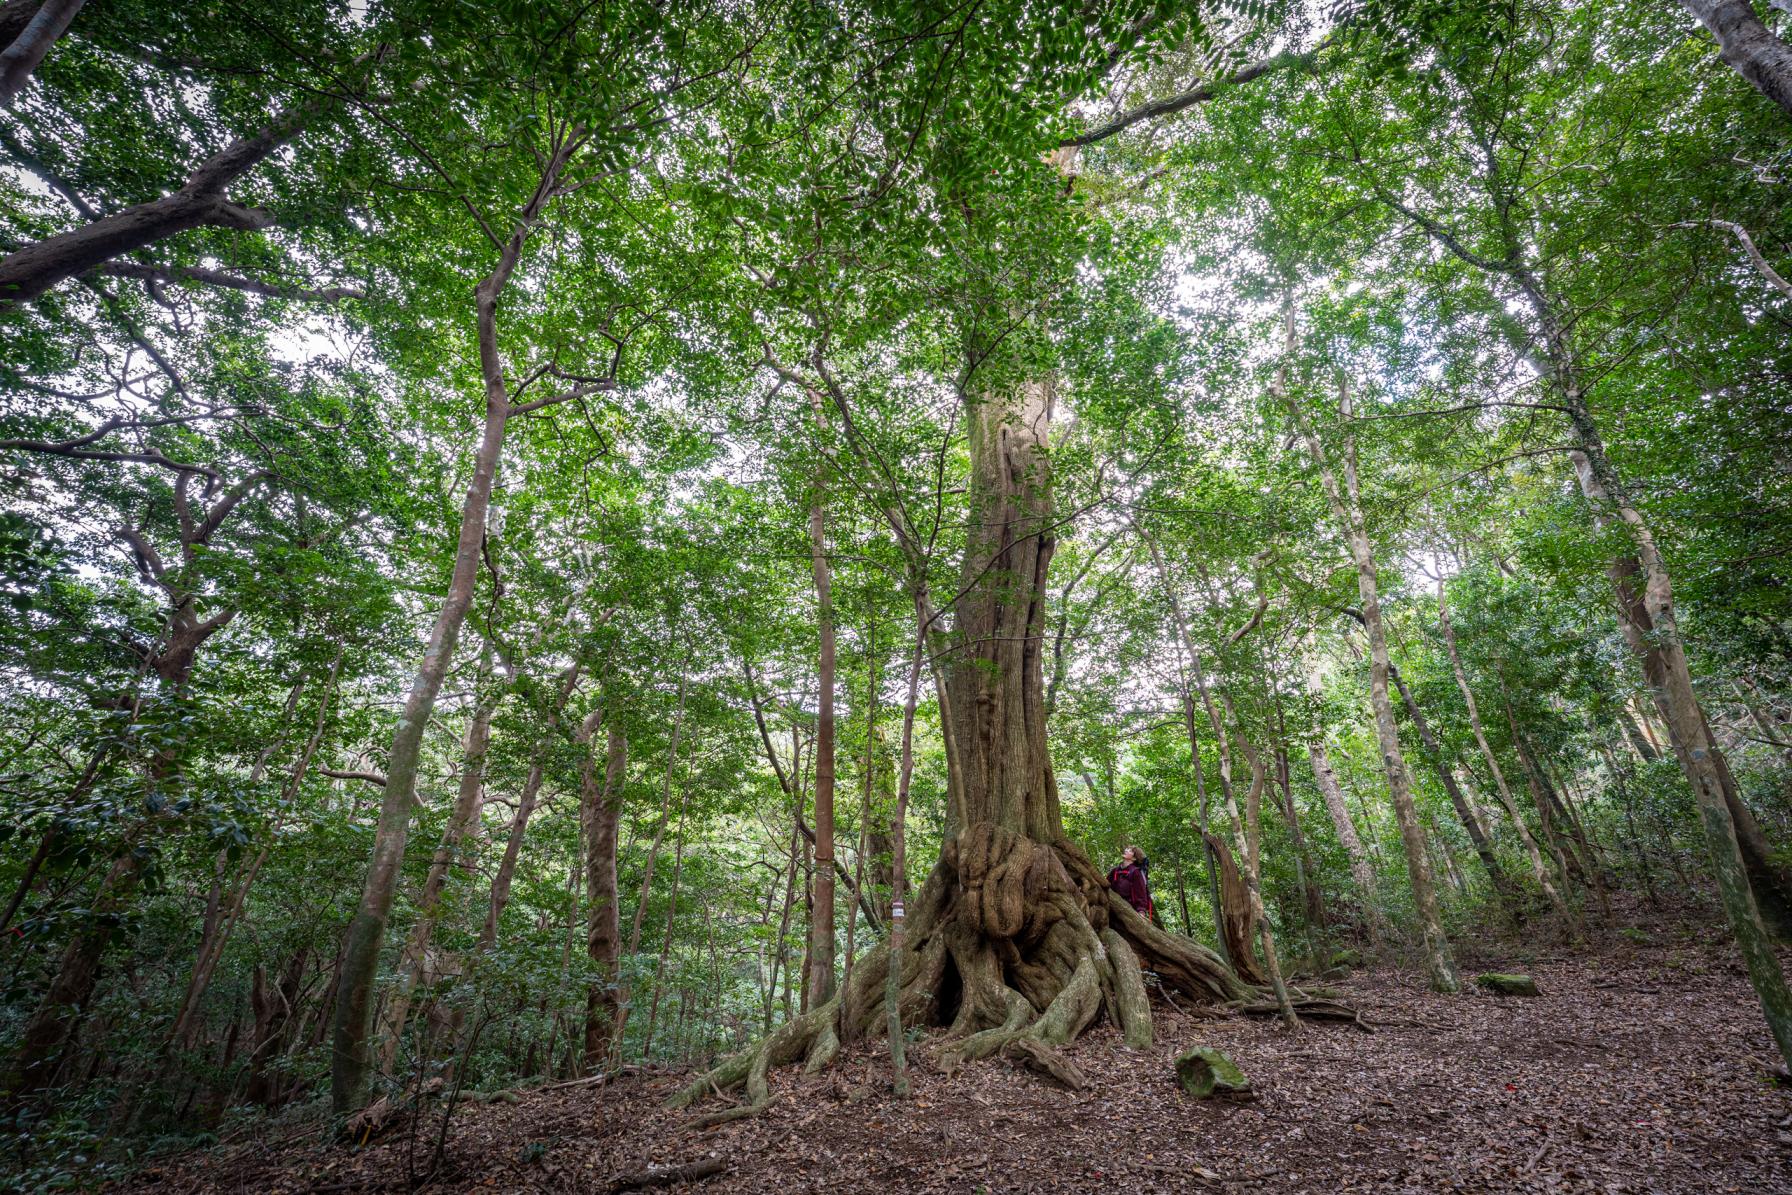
(204, 277)
(1201, 93)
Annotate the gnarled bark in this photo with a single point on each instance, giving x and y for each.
(1005, 940)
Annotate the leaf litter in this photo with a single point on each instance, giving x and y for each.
(1644, 1067)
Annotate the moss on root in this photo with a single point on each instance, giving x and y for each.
(1011, 941)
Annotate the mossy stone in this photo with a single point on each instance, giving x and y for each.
(1205, 1072)
(1508, 985)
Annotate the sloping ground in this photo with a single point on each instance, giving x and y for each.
(1642, 1068)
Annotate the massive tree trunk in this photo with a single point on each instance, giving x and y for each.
(1015, 933)
(1346, 504)
(1749, 46)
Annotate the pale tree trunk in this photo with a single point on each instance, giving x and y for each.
(1749, 46)
(857, 883)
(1308, 872)
(1242, 847)
(659, 970)
(899, 863)
(1670, 677)
(624, 993)
(1346, 504)
(1361, 869)
(461, 818)
(1769, 878)
(353, 1020)
(1226, 934)
(1539, 872)
(1440, 764)
(600, 814)
(820, 968)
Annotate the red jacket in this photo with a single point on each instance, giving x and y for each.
(1130, 882)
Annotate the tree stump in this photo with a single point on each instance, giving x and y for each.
(1205, 1072)
(1508, 985)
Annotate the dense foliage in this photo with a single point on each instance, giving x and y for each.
(698, 287)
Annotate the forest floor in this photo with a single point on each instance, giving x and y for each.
(1643, 1067)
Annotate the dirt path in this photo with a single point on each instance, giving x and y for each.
(1641, 1069)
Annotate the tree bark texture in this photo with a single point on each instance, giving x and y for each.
(31, 43)
(821, 918)
(1752, 49)
(1665, 667)
(600, 813)
(1015, 934)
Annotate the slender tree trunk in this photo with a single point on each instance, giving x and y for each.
(1645, 750)
(1477, 834)
(600, 811)
(1749, 46)
(1539, 872)
(659, 971)
(624, 991)
(899, 862)
(1346, 506)
(1241, 845)
(1665, 666)
(349, 1063)
(1307, 872)
(820, 968)
(467, 802)
(1362, 870)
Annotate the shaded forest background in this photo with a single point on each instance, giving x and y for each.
(490, 497)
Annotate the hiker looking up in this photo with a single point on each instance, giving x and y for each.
(1132, 881)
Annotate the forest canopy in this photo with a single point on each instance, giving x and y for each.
(543, 538)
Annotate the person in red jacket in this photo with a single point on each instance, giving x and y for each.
(1132, 880)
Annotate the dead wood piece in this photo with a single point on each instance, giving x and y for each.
(1044, 1060)
(665, 1176)
(371, 1121)
(1320, 1010)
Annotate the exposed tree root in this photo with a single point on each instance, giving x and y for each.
(1048, 1062)
(1318, 1009)
(1017, 947)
